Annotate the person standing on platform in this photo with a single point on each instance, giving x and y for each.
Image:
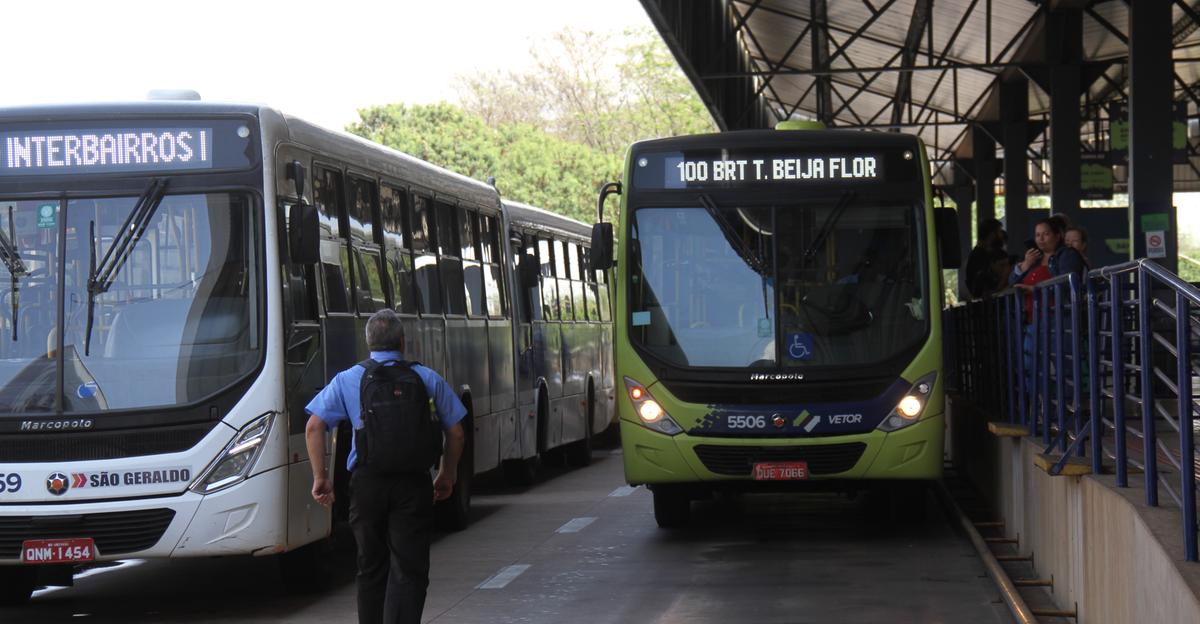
(1076, 238)
(396, 443)
(987, 263)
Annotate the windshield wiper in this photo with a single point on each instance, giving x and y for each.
(827, 227)
(12, 261)
(101, 276)
(755, 260)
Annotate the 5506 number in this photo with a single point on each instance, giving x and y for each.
(742, 421)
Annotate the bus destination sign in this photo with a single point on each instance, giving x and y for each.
(677, 171)
(108, 150)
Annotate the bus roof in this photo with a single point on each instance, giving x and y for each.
(276, 125)
(524, 214)
(799, 138)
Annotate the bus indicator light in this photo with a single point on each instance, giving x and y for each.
(649, 412)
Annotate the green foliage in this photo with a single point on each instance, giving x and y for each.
(551, 136)
(529, 164)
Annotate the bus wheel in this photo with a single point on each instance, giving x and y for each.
(454, 513)
(579, 453)
(17, 584)
(672, 506)
(520, 472)
(307, 569)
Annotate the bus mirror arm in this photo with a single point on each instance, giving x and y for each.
(304, 233)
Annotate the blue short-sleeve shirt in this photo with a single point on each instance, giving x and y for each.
(339, 400)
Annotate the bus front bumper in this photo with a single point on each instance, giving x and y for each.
(248, 518)
(914, 452)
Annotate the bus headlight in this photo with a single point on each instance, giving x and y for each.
(650, 413)
(236, 461)
(909, 409)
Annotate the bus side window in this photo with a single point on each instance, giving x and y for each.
(449, 263)
(368, 285)
(471, 267)
(576, 282)
(396, 249)
(362, 210)
(548, 286)
(566, 309)
(425, 264)
(602, 290)
(335, 257)
(531, 294)
(589, 288)
(493, 282)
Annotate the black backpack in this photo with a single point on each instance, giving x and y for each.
(399, 433)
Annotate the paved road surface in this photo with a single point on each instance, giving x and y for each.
(580, 547)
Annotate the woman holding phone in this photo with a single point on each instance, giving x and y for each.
(1046, 257)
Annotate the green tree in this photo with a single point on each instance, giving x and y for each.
(442, 134)
(529, 164)
(553, 134)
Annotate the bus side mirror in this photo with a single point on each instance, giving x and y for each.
(602, 246)
(304, 234)
(946, 226)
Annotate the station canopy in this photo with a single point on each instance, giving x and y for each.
(928, 67)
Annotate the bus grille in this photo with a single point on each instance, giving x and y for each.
(115, 533)
(739, 460)
(44, 447)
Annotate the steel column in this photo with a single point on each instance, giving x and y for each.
(1064, 55)
(983, 151)
(1014, 115)
(1150, 83)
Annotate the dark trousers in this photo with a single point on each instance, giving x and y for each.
(392, 518)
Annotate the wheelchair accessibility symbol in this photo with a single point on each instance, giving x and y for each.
(800, 346)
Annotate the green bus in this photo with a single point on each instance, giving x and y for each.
(777, 313)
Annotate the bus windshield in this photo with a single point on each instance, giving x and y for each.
(825, 283)
(175, 322)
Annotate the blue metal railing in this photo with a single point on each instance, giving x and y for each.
(1098, 365)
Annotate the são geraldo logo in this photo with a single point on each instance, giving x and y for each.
(58, 484)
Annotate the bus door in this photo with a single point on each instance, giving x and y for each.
(528, 300)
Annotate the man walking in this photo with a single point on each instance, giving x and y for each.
(391, 496)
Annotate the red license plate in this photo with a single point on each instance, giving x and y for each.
(780, 471)
(71, 550)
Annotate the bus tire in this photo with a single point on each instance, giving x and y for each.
(306, 569)
(672, 506)
(454, 513)
(17, 584)
(579, 453)
(520, 472)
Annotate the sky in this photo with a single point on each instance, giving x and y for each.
(317, 60)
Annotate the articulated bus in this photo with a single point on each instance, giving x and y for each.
(777, 308)
(180, 278)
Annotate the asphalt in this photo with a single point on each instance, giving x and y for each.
(579, 546)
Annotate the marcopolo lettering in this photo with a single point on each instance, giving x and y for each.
(69, 424)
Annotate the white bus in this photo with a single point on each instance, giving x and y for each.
(178, 279)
